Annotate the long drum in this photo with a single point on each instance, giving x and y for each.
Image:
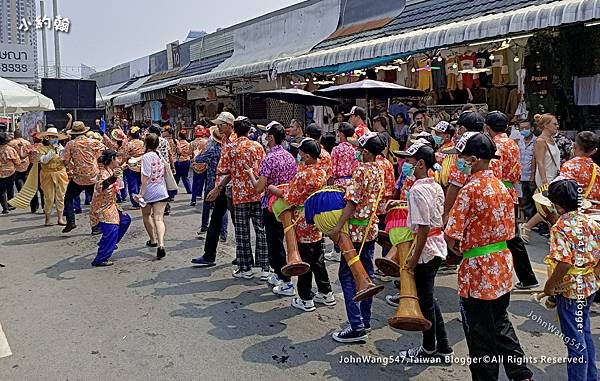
(408, 314)
(400, 238)
(30, 188)
(324, 209)
(283, 213)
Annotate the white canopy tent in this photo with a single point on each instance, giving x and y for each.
(17, 99)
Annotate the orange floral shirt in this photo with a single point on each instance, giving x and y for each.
(134, 149)
(389, 181)
(363, 190)
(360, 130)
(184, 150)
(109, 143)
(440, 154)
(580, 169)
(483, 214)
(104, 202)
(241, 153)
(575, 239)
(508, 167)
(21, 146)
(9, 158)
(308, 179)
(172, 149)
(325, 162)
(81, 155)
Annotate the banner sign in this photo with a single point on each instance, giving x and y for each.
(17, 61)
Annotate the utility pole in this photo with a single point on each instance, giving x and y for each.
(56, 39)
(44, 45)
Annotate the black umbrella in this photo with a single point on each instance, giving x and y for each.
(369, 88)
(297, 96)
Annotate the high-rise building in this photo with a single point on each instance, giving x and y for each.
(12, 14)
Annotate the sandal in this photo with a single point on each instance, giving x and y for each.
(524, 232)
(150, 244)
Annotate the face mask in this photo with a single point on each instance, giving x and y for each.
(358, 155)
(438, 140)
(54, 141)
(526, 133)
(461, 165)
(298, 158)
(408, 169)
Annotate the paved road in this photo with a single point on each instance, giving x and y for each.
(165, 320)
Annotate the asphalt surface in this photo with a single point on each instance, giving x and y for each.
(143, 319)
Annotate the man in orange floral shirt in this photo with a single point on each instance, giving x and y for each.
(480, 223)
(508, 170)
(362, 195)
(309, 178)
(243, 153)
(81, 159)
(582, 168)
(9, 159)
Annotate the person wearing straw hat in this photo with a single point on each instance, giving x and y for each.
(9, 160)
(574, 260)
(480, 223)
(53, 174)
(81, 158)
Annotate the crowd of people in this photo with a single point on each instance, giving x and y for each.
(463, 182)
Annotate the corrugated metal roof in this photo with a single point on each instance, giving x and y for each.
(431, 13)
(204, 66)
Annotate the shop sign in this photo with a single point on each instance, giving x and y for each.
(16, 61)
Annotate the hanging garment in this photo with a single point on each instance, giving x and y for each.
(587, 90)
(451, 73)
(467, 62)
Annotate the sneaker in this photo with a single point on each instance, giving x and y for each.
(285, 289)
(273, 279)
(234, 262)
(103, 264)
(418, 354)
(393, 300)
(367, 328)
(446, 352)
(382, 277)
(68, 228)
(201, 262)
(304, 305)
(264, 275)
(332, 256)
(348, 335)
(193, 203)
(326, 299)
(243, 274)
(521, 286)
(203, 230)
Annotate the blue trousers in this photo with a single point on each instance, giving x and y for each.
(182, 172)
(122, 195)
(359, 314)
(134, 182)
(111, 236)
(77, 200)
(580, 344)
(198, 181)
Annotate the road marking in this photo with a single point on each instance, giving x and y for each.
(4, 348)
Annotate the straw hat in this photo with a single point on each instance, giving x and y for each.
(51, 132)
(117, 135)
(78, 128)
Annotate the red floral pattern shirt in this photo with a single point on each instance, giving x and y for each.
(308, 179)
(363, 190)
(508, 167)
(483, 214)
(389, 182)
(8, 160)
(580, 169)
(22, 146)
(104, 202)
(81, 156)
(325, 162)
(575, 239)
(241, 153)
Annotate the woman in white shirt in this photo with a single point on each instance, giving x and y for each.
(153, 195)
(547, 162)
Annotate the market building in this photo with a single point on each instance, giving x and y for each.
(519, 56)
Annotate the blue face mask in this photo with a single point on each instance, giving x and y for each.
(358, 156)
(298, 158)
(438, 140)
(54, 141)
(461, 165)
(526, 133)
(408, 169)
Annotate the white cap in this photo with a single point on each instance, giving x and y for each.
(224, 118)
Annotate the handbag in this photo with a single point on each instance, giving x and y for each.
(169, 178)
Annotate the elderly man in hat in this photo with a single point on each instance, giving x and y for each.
(81, 158)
